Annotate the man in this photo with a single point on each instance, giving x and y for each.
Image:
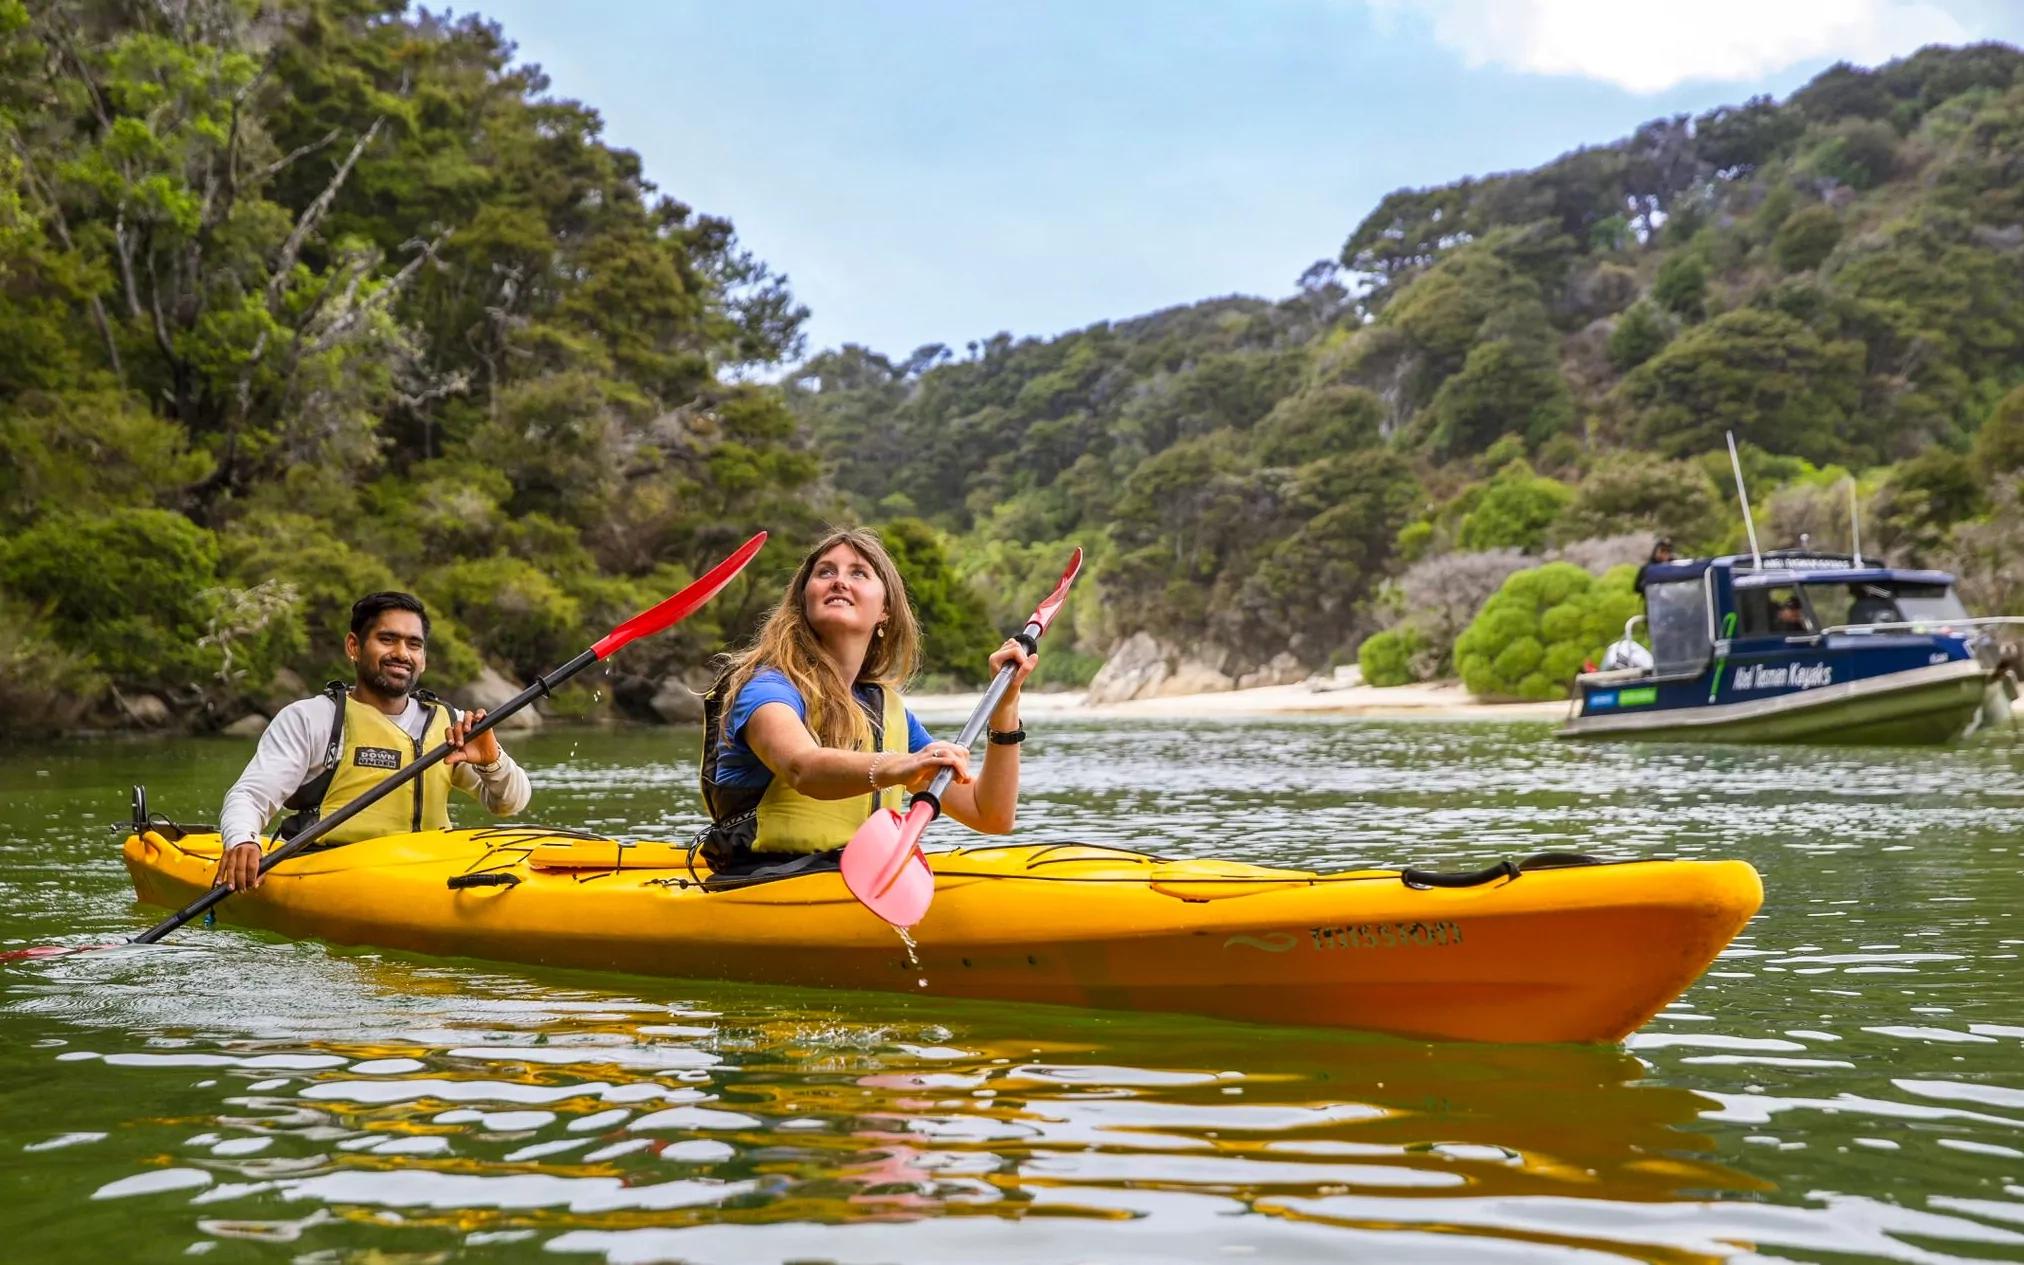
(1662, 553)
(322, 753)
(1790, 617)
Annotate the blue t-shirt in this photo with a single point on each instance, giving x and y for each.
(739, 765)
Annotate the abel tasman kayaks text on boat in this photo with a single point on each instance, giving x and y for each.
(1545, 951)
(1797, 646)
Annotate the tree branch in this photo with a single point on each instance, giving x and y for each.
(279, 165)
(62, 226)
(314, 212)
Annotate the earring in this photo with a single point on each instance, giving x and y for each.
(878, 632)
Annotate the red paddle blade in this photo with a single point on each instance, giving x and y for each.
(675, 609)
(1044, 614)
(883, 866)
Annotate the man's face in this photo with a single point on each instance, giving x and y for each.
(390, 654)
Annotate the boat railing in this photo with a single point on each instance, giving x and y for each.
(1927, 625)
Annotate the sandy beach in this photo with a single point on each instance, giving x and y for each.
(1445, 700)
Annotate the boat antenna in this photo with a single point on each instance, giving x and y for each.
(1749, 525)
(1854, 521)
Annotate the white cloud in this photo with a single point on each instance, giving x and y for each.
(1651, 48)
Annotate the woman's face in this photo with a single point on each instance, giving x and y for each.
(844, 594)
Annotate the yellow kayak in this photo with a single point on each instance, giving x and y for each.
(1583, 952)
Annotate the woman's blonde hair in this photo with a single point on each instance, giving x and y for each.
(785, 641)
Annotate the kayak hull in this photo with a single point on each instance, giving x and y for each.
(1581, 954)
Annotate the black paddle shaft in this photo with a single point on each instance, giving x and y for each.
(542, 686)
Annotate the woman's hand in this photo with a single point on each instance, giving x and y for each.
(1006, 715)
(916, 769)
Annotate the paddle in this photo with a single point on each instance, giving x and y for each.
(883, 864)
(666, 614)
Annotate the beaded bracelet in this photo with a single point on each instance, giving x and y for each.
(871, 774)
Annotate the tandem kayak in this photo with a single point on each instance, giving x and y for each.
(1582, 952)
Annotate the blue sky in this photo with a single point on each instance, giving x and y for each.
(938, 172)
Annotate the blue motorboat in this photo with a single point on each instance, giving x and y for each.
(1799, 646)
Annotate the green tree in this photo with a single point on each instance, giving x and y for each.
(1763, 375)
(1506, 385)
(956, 634)
(1682, 286)
(1999, 446)
(1317, 422)
(1806, 238)
(130, 590)
(1637, 492)
(1516, 511)
(1638, 335)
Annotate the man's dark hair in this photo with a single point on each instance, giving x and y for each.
(373, 605)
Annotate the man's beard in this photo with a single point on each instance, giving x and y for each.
(377, 680)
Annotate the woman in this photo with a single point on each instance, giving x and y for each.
(806, 734)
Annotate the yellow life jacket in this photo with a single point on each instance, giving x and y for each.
(789, 822)
(778, 818)
(366, 748)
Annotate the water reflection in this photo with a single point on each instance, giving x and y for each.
(481, 1103)
(1848, 1082)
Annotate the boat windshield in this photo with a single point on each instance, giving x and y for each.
(1676, 615)
(1885, 602)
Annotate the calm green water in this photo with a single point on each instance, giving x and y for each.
(1847, 1084)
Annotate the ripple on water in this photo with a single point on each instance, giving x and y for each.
(1848, 1083)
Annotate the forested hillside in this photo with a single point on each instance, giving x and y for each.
(302, 298)
(1522, 362)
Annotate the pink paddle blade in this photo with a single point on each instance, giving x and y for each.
(883, 866)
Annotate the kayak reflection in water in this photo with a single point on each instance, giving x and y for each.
(321, 753)
(805, 733)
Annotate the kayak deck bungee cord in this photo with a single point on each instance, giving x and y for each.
(1557, 949)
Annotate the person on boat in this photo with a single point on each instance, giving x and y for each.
(320, 753)
(1790, 617)
(1662, 553)
(806, 734)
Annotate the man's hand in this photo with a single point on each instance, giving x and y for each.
(239, 868)
(484, 749)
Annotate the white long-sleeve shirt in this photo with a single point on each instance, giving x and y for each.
(291, 752)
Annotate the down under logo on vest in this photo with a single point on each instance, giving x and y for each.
(377, 758)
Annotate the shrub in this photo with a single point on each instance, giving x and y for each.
(1537, 631)
(126, 590)
(43, 686)
(327, 576)
(528, 621)
(1682, 286)
(1640, 333)
(1387, 657)
(1432, 602)
(956, 634)
(1806, 238)
(1637, 492)
(1515, 511)
(1999, 445)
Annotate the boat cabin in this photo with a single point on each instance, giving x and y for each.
(1793, 644)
